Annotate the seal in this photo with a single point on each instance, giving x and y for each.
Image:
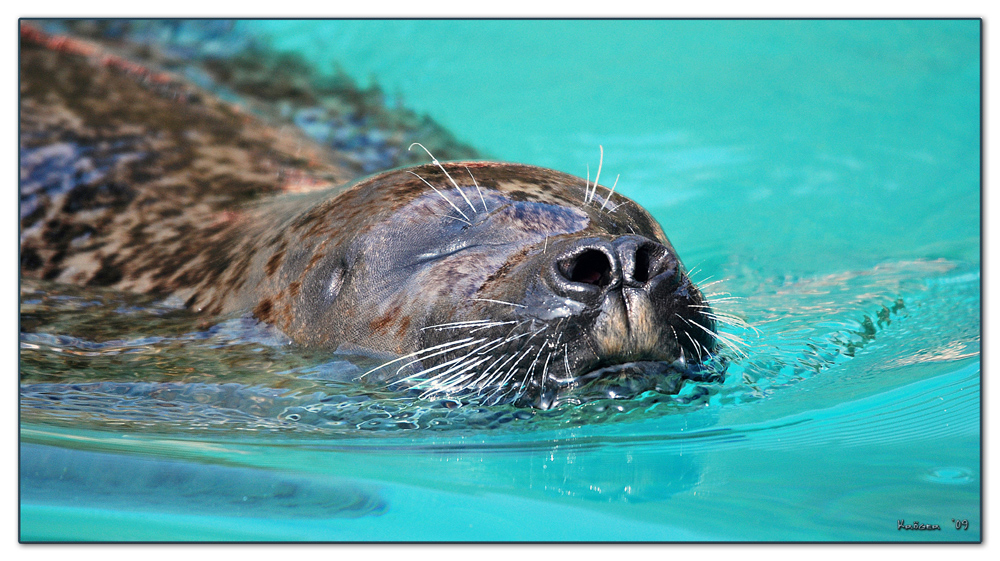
(498, 282)
(508, 281)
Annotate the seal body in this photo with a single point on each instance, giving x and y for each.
(498, 281)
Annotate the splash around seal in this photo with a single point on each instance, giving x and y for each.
(495, 281)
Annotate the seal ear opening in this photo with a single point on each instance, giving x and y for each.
(336, 283)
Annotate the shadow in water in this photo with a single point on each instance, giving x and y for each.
(66, 477)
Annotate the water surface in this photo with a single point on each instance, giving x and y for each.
(821, 179)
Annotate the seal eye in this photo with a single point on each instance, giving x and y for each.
(589, 267)
(451, 249)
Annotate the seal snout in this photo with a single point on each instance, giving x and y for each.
(637, 302)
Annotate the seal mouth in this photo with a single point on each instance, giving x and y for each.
(624, 380)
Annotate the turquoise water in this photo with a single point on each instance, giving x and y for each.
(824, 174)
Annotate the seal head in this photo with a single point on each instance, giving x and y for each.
(505, 282)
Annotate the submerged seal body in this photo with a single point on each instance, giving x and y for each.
(502, 282)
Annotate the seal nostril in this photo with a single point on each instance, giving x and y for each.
(641, 271)
(589, 267)
(645, 263)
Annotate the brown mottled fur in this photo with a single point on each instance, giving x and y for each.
(163, 218)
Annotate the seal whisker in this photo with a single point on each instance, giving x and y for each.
(510, 374)
(597, 178)
(498, 302)
(512, 329)
(457, 323)
(703, 284)
(470, 343)
(722, 316)
(559, 337)
(513, 368)
(481, 375)
(484, 382)
(694, 345)
(455, 363)
(728, 340)
(528, 373)
(511, 339)
(498, 342)
(470, 323)
(730, 320)
(612, 192)
(467, 219)
(714, 294)
(497, 324)
(452, 218)
(739, 324)
(543, 378)
(732, 338)
(554, 345)
(416, 353)
(708, 312)
(461, 383)
(448, 175)
(419, 374)
(532, 334)
(708, 353)
(441, 379)
(493, 387)
(694, 272)
(443, 382)
(484, 375)
(712, 302)
(476, 183)
(719, 297)
(734, 343)
(531, 369)
(434, 389)
(569, 374)
(452, 361)
(545, 372)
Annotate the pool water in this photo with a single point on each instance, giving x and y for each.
(820, 178)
